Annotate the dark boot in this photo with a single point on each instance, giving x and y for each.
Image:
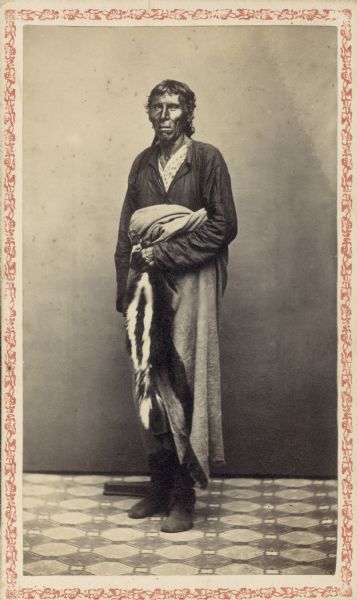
(162, 468)
(182, 503)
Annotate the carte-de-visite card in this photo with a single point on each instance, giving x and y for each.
(177, 300)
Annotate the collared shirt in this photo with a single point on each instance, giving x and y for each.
(175, 161)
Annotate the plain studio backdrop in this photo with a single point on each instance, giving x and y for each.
(266, 97)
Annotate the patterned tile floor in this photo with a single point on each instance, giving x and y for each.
(242, 526)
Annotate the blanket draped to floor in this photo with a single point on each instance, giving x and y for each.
(172, 333)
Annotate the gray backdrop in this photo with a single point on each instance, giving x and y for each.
(267, 99)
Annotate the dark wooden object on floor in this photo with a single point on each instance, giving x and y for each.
(125, 488)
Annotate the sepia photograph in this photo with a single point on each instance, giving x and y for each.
(181, 300)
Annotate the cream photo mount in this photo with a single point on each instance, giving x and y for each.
(16, 16)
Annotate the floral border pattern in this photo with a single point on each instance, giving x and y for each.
(341, 18)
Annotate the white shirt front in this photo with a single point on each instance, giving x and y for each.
(172, 166)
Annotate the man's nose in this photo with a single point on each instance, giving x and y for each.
(164, 113)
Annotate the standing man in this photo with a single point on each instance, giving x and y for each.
(171, 258)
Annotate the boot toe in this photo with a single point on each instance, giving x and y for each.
(176, 522)
(139, 511)
(146, 508)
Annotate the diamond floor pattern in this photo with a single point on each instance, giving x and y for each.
(242, 526)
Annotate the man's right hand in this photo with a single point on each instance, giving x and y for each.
(141, 259)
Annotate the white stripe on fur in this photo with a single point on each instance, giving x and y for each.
(143, 284)
(146, 286)
(142, 367)
(144, 411)
(130, 325)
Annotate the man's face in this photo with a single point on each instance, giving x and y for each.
(167, 117)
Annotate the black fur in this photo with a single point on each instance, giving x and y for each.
(163, 354)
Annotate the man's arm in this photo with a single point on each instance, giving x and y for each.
(123, 247)
(203, 244)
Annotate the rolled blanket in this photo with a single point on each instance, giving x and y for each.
(171, 323)
(161, 222)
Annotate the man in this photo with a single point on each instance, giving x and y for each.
(171, 258)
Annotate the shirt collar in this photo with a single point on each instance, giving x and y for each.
(154, 155)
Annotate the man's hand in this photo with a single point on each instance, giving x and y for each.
(142, 258)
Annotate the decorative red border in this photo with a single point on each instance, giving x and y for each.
(341, 18)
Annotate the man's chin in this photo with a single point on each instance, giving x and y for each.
(168, 136)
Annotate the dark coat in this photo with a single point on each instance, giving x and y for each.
(201, 181)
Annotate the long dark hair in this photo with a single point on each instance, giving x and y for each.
(186, 96)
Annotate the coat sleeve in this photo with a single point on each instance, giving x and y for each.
(123, 247)
(203, 244)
